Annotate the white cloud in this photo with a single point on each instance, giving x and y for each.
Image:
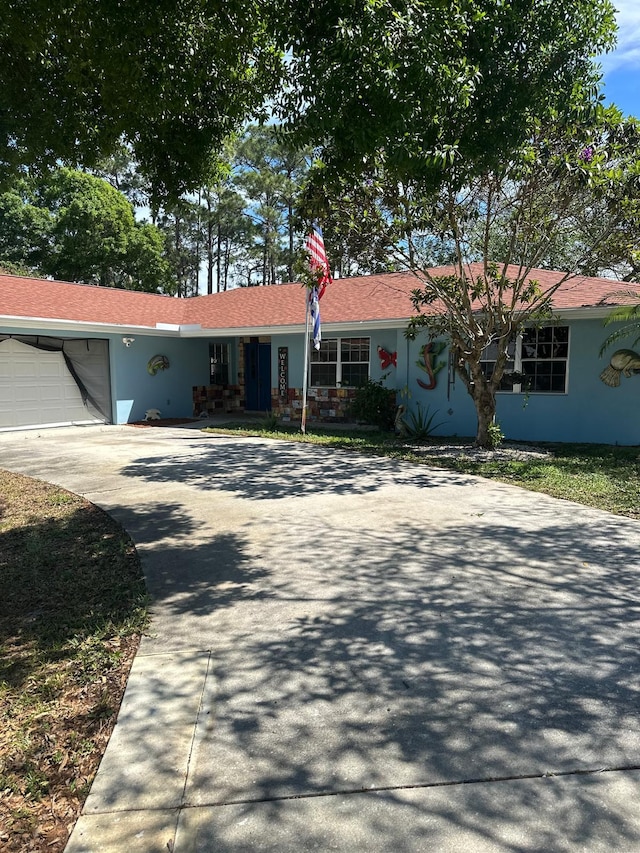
(627, 52)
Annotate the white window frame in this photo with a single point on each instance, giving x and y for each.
(225, 353)
(520, 387)
(339, 363)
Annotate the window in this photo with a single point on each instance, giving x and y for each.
(340, 361)
(537, 362)
(544, 359)
(489, 359)
(219, 364)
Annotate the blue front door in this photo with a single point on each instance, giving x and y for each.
(257, 377)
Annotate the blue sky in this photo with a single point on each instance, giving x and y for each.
(621, 68)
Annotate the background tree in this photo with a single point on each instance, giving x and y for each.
(268, 173)
(228, 234)
(120, 169)
(91, 226)
(76, 226)
(25, 230)
(181, 226)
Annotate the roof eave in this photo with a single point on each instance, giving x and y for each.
(58, 325)
(585, 312)
(295, 329)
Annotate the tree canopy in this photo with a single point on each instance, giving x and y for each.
(418, 83)
(172, 79)
(77, 227)
(421, 84)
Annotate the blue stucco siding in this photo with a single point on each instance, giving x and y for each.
(295, 344)
(589, 411)
(171, 390)
(295, 358)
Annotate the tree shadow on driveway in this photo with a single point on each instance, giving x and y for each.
(260, 470)
(407, 663)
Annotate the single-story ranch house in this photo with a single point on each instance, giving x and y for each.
(73, 353)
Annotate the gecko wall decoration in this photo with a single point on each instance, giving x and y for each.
(430, 364)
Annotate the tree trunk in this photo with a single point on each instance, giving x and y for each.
(290, 224)
(210, 255)
(219, 256)
(484, 399)
(485, 402)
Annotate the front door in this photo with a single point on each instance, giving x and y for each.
(257, 377)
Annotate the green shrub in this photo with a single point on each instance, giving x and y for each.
(496, 436)
(269, 422)
(374, 404)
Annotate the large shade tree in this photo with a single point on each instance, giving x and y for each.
(461, 123)
(171, 79)
(423, 83)
(419, 82)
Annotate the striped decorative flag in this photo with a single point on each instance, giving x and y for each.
(319, 264)
(314, 308)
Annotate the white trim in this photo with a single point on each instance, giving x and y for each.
(195, 330)
(598, 312)
(339, 362)
(46, 324)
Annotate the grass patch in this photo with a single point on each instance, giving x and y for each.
(72, 609)
(600, 476)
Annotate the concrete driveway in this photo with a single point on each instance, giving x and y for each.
(358, 655)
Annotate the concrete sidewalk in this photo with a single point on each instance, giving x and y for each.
(358, 655)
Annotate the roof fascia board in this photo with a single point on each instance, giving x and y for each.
(598, 312)
(194, 331)
(298, 329)
(48, 324)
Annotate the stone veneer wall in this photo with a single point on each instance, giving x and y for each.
(323, 404)
(217, 399)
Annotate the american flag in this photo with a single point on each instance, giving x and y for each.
(318, 258)
(319, 264)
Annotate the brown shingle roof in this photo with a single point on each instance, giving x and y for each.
(350, 300)
(57, 300)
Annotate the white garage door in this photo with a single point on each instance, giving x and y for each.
(36, 389)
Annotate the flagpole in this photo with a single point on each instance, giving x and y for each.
(319, 266)
(303, 424)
